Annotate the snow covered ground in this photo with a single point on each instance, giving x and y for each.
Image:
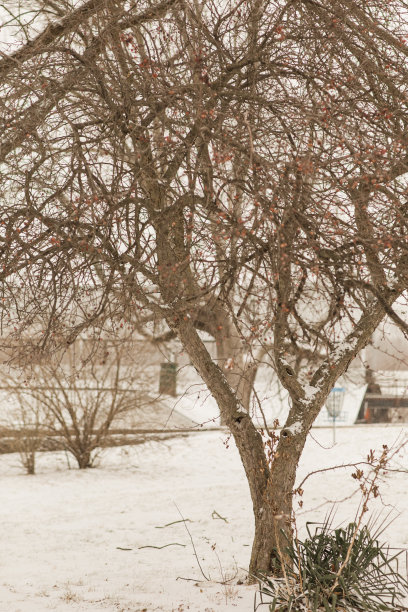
(84, 540)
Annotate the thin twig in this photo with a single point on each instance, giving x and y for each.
(328, 501)
(218, 516)
(192, 543)
(173, 523)
(165, 546)
(328, 469)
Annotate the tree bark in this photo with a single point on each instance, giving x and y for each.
(271, 489)
(273, 525)
(84, 460)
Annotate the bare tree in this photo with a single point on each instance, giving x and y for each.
(76, 400)
(236, 168)
(25, 428)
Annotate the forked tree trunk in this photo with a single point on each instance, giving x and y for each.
(273, 526)
(271, 489)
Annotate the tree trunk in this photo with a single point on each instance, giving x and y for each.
(273, 526)
(84, 460)
(271, 489)
(30, 463)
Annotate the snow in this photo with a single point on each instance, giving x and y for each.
(66, 533)
(310, 392)
(343, 347)
(295, 428)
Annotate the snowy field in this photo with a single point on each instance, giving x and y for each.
(84, 541)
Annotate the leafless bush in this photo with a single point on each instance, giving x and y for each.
(25, 428)
(75, 401)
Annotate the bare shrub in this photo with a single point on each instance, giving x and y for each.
(25, 426)
(74, 401)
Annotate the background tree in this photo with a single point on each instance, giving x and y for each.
(238, 169)
(76, 400)
(24, 429)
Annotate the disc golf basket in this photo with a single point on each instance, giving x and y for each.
(334, 405)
